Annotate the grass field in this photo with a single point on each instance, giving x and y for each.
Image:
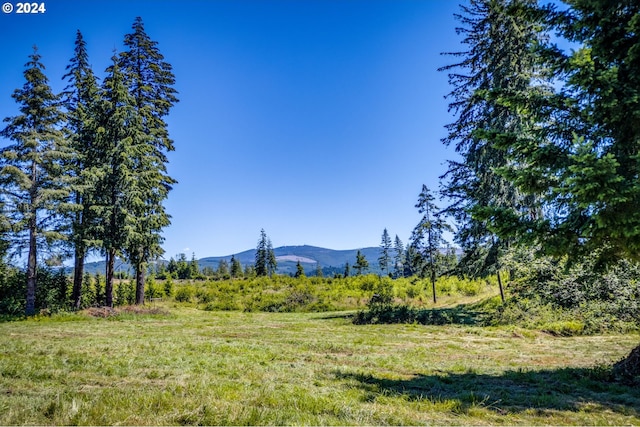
(201, 367)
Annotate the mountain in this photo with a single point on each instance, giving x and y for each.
(331, 261)
(288, 257)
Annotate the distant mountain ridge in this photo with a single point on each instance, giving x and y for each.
(287, 257)
(309, 256)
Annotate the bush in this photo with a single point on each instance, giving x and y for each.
(168, 287)
(185, 293)
(565, 328)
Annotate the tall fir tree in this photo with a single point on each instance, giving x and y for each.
(583, 156)
(34, 185)
(361, 264)
(262, 255)
(150, 81)
(236, 267)
(272, 263)
(81, 99)
(399, 257)
(385, 248)
(121, 146)
(501, 37)
(299, 270)
(427, 237)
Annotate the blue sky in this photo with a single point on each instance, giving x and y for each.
(318, 121)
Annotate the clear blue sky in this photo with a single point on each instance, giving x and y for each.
(318, 121)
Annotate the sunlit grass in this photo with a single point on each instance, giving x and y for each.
(197, 367)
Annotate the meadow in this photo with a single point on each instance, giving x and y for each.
(176, 364)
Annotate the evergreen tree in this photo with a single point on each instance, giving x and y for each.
(414, 264)
(82, 102)
(399, 258)
(347, 270)
(319, 272)
(223, 268)
(265, 257)
(236, 267)
(586, 158)
(361, 264)
(581, 157)
(427, 235)
(249, 271)
(150, 81)
(172, 267)
(183, 269)
(34, 187)
(194, 269)
(299, 270)
(120, 147)
(272, 263)
(385, 248)
(500, 36)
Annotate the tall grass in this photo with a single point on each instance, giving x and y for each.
(192, 367)
(312, 294)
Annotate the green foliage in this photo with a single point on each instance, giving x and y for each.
(385, 248)
(427, 240)
(125, 292)
(299, 270)
(265, 261)
(561, 297)
(35, 187)
(153, 289)
(361, 264)
(304, 294)
(185, 293)
(169, 287)
(52, 294)
(500, 37)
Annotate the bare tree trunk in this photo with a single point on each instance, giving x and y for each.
(140, 283)
(78, 272)
(500, 285)
(111, 256)
(31, 269)
(32, 260)
(433, 282)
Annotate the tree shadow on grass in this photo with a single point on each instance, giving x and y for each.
(566, 389)
(463, 314)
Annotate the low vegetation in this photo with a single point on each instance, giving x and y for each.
(183, 366)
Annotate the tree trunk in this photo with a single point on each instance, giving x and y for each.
(32, 260)
(78, 272)
(108, 289)
(31, 269)
(500, 285)
(433, 283)
(140, 283)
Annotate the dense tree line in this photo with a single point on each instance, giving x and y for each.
(85, 170)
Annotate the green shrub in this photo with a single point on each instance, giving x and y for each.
(185, 293)
(469, 287)
(564, 328)
(168, 287)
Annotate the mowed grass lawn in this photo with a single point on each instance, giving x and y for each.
(198, 367)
